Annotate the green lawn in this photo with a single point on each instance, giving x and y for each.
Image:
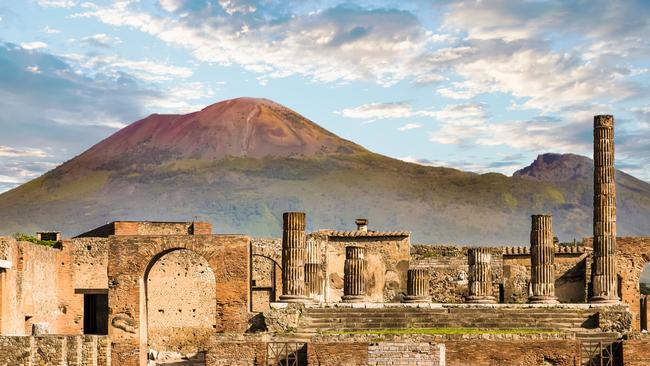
(444, 331)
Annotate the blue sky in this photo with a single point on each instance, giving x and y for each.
(476, 85)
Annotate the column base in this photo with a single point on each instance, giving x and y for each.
(543, 300)
(353, 298)
(481, 300)
(412, 299)
(605, 300)
(294, 298)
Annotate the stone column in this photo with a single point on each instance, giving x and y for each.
(417, 285)
(604, 281)
(542, 261)
(313, 271)
(480, 276)
(354, 279)
(294, 249)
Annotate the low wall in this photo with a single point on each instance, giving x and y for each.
(636, 352)
(522, 352)
(54, 350)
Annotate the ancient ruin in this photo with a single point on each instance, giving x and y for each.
(133, 293)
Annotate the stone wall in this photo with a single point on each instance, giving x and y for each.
(266, 258)
(125, 228)
(448, 270)
(337, 353)
(131, 257)
(636, 352)
(54, 350)
(235, 353)
(181, 303)
(387, 262)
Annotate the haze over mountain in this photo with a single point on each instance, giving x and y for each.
(240, 163)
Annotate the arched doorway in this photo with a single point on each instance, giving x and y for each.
(644, 288)
(266, 282)
(181, 307)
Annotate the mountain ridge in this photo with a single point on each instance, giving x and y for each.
(241, 163)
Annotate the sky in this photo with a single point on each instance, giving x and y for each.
(475, 85)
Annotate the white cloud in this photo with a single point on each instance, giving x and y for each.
(57, 3)
(374, 111)
(33, 69)
(147, 70)
(49, 30)
(33, 45)
(100, 40)
(409, 126)
(6, 151)
(171, 5)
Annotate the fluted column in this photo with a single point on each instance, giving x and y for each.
(354, 280)
(604, 283)
(480, 276)
(294, 249)
(313, 271)
(417, 285)
(542, 261)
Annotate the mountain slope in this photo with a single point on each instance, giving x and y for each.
(241, 163)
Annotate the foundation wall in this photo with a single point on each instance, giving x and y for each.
(522, 352)
(54, 350)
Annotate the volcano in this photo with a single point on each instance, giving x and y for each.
(240, 163)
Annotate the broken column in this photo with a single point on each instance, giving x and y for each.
(417, 285)
(604, 283)
(354, 279)
(294, 247)
(313, 271)
(542, 261)
(480, 276)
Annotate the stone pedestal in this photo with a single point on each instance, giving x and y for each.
(294, 250)
(480, 276)
(354, 279)
(542, 261)
(417, 286)
(604, 281)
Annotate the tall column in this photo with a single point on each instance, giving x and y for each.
(542, 261)
(417, 285)
(480, 276)
(313, 271)
(294, 248)
(354, 280)
(604, 283)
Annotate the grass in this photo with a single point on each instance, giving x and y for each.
(445, 331)
(32, 239)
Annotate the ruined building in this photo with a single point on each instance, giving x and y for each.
(174, 293)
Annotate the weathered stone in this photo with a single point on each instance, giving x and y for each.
(354, 286)
(480, 276)
(294, 251)
(604, 281)
(417, 286)
(542, 258)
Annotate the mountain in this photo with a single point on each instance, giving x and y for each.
(240, 163)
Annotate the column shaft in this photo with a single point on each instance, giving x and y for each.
(542, 261)
(294, 250)
(480, 276)
(354, 280)
(604, 280)
(417, 285)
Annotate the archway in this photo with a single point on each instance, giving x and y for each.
(644, 289)
(266, 282)
(181, 307)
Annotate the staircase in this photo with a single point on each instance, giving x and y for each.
(355, 319)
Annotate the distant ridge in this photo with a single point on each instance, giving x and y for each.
(240, 163)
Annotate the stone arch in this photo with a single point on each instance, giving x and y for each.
(130, 259)
(180, 306)
(266, 281)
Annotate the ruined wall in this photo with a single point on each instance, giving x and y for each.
(54, 350)
(235, 353)
(570, 274)
(28, 289)
(448, 270)
(181, 302)
(633, 254)
(515, 351)
(636, 352)
(375, 353)
(266, 264)
(130, 257)
(149, 228)
(337, 353)
(387, 262)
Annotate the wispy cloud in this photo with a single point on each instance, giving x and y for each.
(100, 40)
(6, 151)
(375, 111)
(57, 3)
(37, 45)
(409, 126)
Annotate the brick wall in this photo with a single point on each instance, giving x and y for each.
(636, 352)
(406, 354)
(54, 350)
(521, 352)
(337, 354)
(236, 354)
